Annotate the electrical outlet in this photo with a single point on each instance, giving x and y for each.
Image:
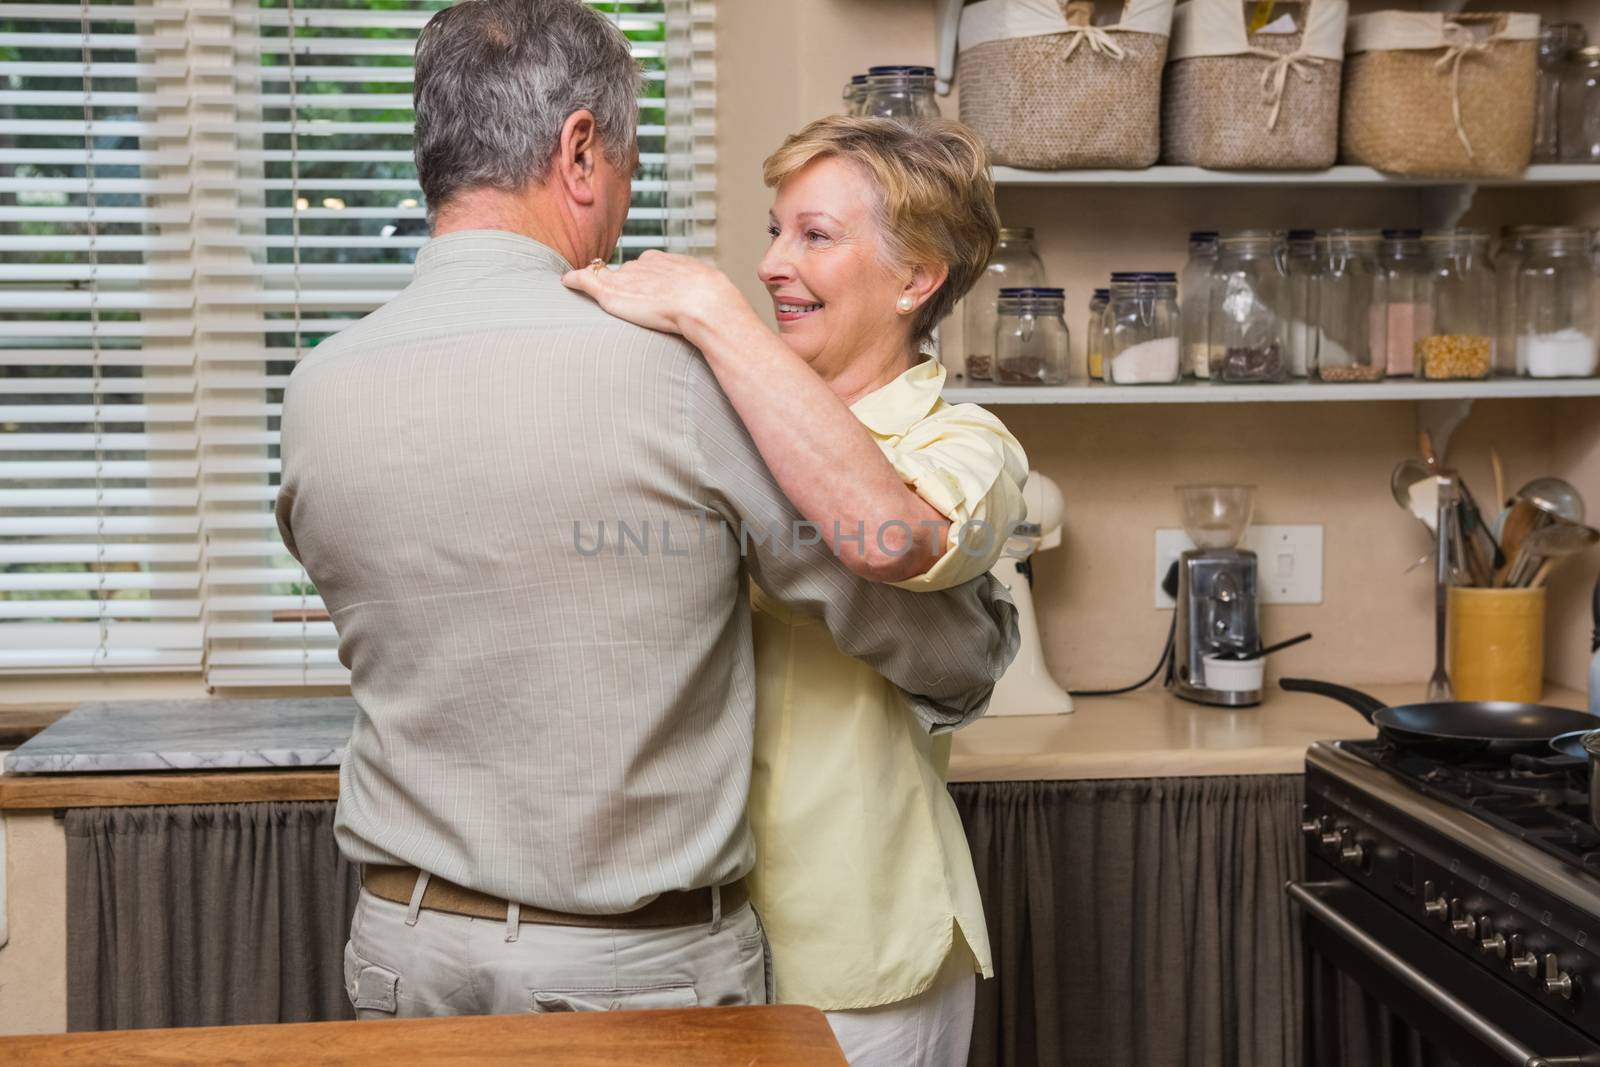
(1289, 562)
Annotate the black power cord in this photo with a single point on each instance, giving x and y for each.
(1169, 585)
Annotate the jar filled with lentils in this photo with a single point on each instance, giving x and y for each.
(1460, 341)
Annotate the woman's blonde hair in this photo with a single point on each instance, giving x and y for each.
(935, 201)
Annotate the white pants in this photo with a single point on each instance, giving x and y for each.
(932, 1029)
(404, 962)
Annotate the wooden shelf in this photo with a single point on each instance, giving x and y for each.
(1198, 392)
(1342, 176)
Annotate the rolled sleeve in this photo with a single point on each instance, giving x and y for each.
(971, 469)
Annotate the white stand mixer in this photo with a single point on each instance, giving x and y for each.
(1027, 688)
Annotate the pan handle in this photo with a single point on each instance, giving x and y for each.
(1368, 706)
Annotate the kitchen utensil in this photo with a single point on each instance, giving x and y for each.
(1499, 478)
(1570, 744)
(1404, 483)
(1523, 518)
(1553, 542)
(1216, 516)
(1543, 574)
(1591, 749)
(1439, 681)
(1425, 444)
(1459, 727)
(1260, 652)
(1486, 555)
(1556, 496)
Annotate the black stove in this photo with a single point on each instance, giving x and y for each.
(1464, 894)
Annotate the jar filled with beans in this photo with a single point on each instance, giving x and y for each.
(1460, 342)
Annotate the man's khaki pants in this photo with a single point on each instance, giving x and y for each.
(404, 962)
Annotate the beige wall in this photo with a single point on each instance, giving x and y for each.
(1313, 463)
(33, 974)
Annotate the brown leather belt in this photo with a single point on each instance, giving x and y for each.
(683, 907)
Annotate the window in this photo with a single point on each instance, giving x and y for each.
(191, 199)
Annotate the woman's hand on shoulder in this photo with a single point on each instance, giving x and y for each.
(660, 291)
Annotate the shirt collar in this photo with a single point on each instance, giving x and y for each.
(892, 409)
(489, 248)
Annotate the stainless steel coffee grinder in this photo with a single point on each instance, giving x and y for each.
(1218, 609)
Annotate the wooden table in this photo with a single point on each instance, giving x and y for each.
(776, 1036)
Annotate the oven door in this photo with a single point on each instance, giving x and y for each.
(1469, 1014)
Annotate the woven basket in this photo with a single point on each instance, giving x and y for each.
(1398, 117)
(1213, 114)
(1037, 109)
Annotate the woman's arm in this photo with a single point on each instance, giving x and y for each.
(805, 433)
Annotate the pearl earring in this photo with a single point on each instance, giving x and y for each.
(907, 304)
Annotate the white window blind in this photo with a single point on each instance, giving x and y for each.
(194, 194)
(99, 522)
(309, 216)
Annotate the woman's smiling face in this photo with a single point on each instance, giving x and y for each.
(834, 296)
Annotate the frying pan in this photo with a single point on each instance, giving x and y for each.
(1457, 726)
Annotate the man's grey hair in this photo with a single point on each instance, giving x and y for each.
(497, 79)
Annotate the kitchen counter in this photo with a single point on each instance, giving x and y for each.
(776, 1036)
(1152, 734)
(1148, 734)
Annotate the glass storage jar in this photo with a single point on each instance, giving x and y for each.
(1194, 283)
(1558, 42)
(1580, 107)
(1344, 288)
(1461, 336)
(1555, 304)
(1508, 358)
(1402, 312)
(1247, 309)
(855, 94)
(900, 93)
(1094, 334)
(1032, 345)
(1142, 335)
(1300, 270)
(1014, 264)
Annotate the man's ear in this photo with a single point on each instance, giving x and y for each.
(577, 155)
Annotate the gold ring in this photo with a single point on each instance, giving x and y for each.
(598, 266)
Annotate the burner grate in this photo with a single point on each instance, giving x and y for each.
(1545, 802)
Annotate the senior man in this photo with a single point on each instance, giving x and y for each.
(547, 778)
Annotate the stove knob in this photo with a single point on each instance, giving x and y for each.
(1333, 838)
(1317, 825)
(1460, 924)
(1353, 852)
(1489, 942)
(1434, 907)
(1557, 983)
(1521, 960)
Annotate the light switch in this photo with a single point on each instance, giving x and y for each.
(1290, 569)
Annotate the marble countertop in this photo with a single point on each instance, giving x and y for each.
(186, 735)
(1152, 734)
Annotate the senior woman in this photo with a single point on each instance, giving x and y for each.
(863, 878)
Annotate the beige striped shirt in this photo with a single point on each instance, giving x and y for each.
(550, 712)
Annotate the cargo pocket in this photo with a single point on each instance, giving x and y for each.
(646, 997)
(371, 988)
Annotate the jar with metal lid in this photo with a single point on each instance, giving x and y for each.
(1580, 107)
(1194, 285)
(1300, 268)
(1461, 336)
(1507, 268)
(900, 93)
(1247, 309)
(1015, 264)
(1143, 346)
(1402, 311)
(855, 94)
(1032, 345)
(1345, 284)
(1558, 42)
(1555, 305)
(1094, 334)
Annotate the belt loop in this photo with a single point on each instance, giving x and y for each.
(416, 897)
(716, 909)
(513, 921)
